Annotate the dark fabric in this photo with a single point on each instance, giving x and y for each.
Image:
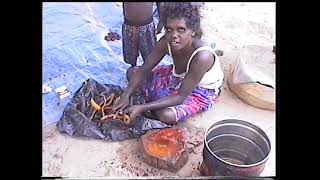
(75, 118)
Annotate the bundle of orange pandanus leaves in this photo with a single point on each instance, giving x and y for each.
(105, 108)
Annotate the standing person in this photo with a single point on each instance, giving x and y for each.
(138, 31)
(188, 86)
(160, 9)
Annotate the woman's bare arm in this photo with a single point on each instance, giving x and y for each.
(151, 61)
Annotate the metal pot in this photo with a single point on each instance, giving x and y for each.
(234, 148)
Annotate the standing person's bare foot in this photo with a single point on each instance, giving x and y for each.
(159, 28)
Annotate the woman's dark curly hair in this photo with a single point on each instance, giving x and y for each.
(190, 13)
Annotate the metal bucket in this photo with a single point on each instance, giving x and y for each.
(234, 148)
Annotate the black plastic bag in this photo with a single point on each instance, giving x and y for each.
(75, 118)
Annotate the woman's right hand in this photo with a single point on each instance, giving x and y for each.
(122, 103)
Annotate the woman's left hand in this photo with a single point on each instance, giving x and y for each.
(133, 111)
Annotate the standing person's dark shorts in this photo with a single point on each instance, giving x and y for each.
(137, 38)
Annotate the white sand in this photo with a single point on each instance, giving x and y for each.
(225, 23)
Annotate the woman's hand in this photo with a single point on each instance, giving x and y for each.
(122, 103)
(134, 111)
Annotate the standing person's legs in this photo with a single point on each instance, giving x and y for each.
(148, 39)
(130, 44)
(130, 72)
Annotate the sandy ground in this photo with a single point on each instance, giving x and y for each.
(224, 23)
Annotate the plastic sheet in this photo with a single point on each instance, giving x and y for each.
(75, 118)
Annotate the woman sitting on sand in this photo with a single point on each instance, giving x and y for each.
(188, 86)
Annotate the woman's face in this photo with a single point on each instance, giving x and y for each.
(178, 34)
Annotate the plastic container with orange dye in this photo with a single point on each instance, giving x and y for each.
(165, 148)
